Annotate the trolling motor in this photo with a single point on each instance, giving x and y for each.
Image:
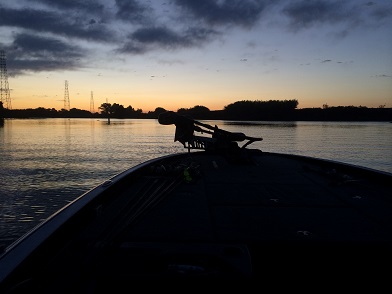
(186, 128)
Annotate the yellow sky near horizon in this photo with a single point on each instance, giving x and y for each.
(149, 92)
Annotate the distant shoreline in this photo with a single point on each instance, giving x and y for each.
(238, 111)
(369, 114)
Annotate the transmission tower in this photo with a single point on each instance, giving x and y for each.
(92, 109)
(4, 88)
(66, 97)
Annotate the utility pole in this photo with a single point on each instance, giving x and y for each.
(4, 88)
(66, 97)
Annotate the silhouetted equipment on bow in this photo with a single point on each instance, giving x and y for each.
(186, 128)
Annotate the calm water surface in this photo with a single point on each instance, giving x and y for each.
(46, 163)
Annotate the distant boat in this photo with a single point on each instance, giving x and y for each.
(218, 214)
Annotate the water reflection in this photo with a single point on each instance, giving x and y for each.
(116, 122)
(277, 124)
(46, 163)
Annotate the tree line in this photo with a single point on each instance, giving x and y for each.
(271, 110)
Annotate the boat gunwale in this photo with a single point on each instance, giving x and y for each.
(14, 254)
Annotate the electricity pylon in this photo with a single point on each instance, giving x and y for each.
(66, 97)
(5, 96)
(92, 110)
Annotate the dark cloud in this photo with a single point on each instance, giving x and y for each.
(137, 27)
(308, 13)
(229, 12)
(303, 14)
(36, 53)
(381, 12)
(133, 11)
(79, 5)
(53, 22)
(147, 39)
(383, 76)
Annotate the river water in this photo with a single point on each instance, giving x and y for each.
(46, 163)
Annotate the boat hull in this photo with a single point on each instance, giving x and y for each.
(246, 218)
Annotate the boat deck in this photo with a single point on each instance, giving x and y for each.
(257, 219)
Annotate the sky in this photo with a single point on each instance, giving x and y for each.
(184, 53)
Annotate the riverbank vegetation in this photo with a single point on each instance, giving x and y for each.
(271, 110)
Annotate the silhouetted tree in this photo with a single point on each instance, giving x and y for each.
(106, 109)
(261, 110)
(196, 112)
(118, 111)
(240, 110)
(74, 112)
(129, 111)
(156, 112)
